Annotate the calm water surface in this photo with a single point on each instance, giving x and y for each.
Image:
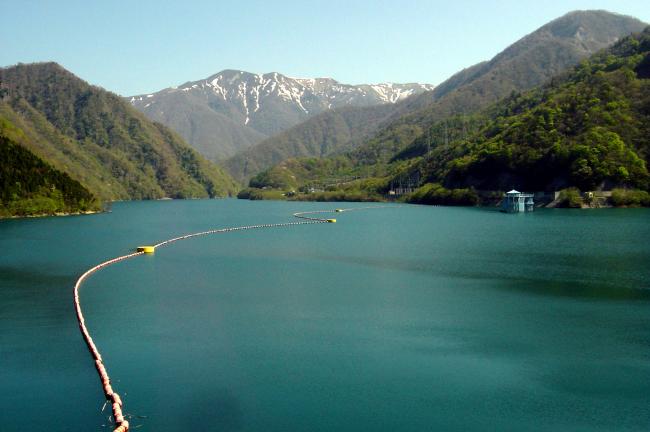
(410, 318)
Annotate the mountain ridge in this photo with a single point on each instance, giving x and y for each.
(233, 110)
(587, 129)
(526, 63)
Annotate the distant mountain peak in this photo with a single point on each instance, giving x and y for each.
(261, 104)
(294, 89)
(601, 25)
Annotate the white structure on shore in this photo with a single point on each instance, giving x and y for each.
(515, 202)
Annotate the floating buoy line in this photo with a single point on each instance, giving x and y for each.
(112, 397)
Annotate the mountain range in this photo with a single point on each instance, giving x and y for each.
(586, 128)
(560, 105)
(381, 131)
(233, 110)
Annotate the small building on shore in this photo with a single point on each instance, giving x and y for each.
(515, 202)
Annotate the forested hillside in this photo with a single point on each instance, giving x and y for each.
(100, 140)
(587, 128)
(525, 64)
(530, 62)
(331, 132)
(29, 186)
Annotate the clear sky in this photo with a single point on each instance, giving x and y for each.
(141, 46)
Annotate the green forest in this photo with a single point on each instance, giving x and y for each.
(99, 140)
(588, 128)
(29, 186)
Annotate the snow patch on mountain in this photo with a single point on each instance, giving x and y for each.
(255, 95)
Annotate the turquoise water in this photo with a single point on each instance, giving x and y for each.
(410, 318)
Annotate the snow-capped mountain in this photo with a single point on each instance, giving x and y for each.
(233, 110)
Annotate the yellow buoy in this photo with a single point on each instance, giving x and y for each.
(146, 249)
(331, 220)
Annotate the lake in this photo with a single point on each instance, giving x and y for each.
(407, 318)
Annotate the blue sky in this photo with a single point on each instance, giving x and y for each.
(141, 46)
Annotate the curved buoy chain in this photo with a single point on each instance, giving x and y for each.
(301, 215)
(112, 396)
(122, 425)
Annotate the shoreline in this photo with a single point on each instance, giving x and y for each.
(545, 206)
(565, 198)
(57, 214)
(93, 212)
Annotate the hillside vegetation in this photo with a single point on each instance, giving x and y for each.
(527, 63)
(530, 62)
(29, 186)
(328, 133)
(100, 141)
(588, 128)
